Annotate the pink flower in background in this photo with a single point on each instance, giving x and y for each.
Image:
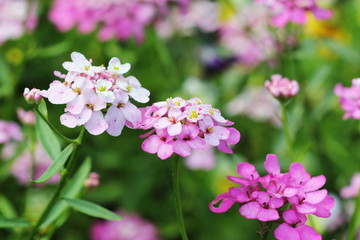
(10, 131)
(26, 117)
(353, 189)
(22, 167)
(247, 35)
(294, 11)
(203, 15)
(262, 197)
(92, 181)
(257, 104)
(16, 18)
(121, 19)
(97, 97)
(201, 159)
(182, 125)
(130, 227)
(281, 87)
(349, 99)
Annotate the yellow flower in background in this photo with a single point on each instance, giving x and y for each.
(14, 56)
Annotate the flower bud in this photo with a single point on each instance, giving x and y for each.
(32, 96)
(281, 87)
(92, 181)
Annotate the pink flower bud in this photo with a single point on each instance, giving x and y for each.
(32, 96)
(26, 117)
(92, 181)
(281, 87)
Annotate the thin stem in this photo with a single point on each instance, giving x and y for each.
(176, 185)
(66, 139)
(64, 179)
(355, 220)
(286, 130)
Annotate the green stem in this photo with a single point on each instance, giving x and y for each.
(64, 179)
(286, 130)
(66, 139)
(176, 185)
(355, 220)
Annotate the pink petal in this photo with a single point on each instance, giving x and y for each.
(306, 208)
(272, 164)
(247, 171)
(250, 210)
(308, 233)
(197, 143)
(234, 136)
(316, 197)
(132, 113)
(224, 147)
(60, 94)
(174, 129)
(151, 144)
(116, 121)
(212, 139)
(165, 150)
(314, 183)
(96, 124)
(298, 16)
(162, 123)
(281, 19)
(182, 148)
(286, 232)
(266, 215)
(290, 216)
(225, 204)
(75, 106)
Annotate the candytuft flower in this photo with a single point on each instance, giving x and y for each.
(97, 97)
(281, 87)
(178, 126)
(32, 96)
(262, 198)
(349, 98)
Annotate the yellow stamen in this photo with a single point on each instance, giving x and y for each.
(77, 90)
(193, 114)
(211, 110)
(120, 105)
(128, 88)
(102, 88)
(87, 67)
(116, 68)
(90, 106)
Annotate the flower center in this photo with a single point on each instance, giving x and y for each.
(90, 106)
(177, 103)
(116, 68)
(193, 114)
(87, 67)
(102, 88)
(120, 105)
(77, 90)
(209, 130)
(128, 88)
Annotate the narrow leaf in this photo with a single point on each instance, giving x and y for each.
(6, 208)
(56, 165)
(71, 190)
(92, 209)
(13, 223)
(46, 135)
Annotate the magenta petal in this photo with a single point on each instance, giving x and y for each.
(290, 216)
(151, 144)
(281, 19)
(306, 208)
(224, 147)
(182, 148)
(225, 204)
(234, 136)
(314, 183)
(272, 164)
(316, 197)
(322, 13)
(247, 171)
(162, 123)
(165, 150)
(286, 232)
(250, 210)
(308, 233)
(96, 124)
(266, 215)
(298, 16)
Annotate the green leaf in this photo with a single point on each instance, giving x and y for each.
(13, 223)
(56, 165)
(6, 208)
(46, 135)
(71, 190)
(92, 209)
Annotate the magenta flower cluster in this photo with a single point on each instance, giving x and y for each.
(179, 125)
(294, 11)
(88, 90)
(350, 99)
(282, 197)
(281, 87)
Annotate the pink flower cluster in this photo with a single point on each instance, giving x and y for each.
(281, 87)
(120, 19)
(22, 168)
(353, 189)
(294, 11)
(88, 90)
(182, 125)
(130, 227)
(9, 131)
(286, 196)
(16, 17)
(350, 99)
(247, 34)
